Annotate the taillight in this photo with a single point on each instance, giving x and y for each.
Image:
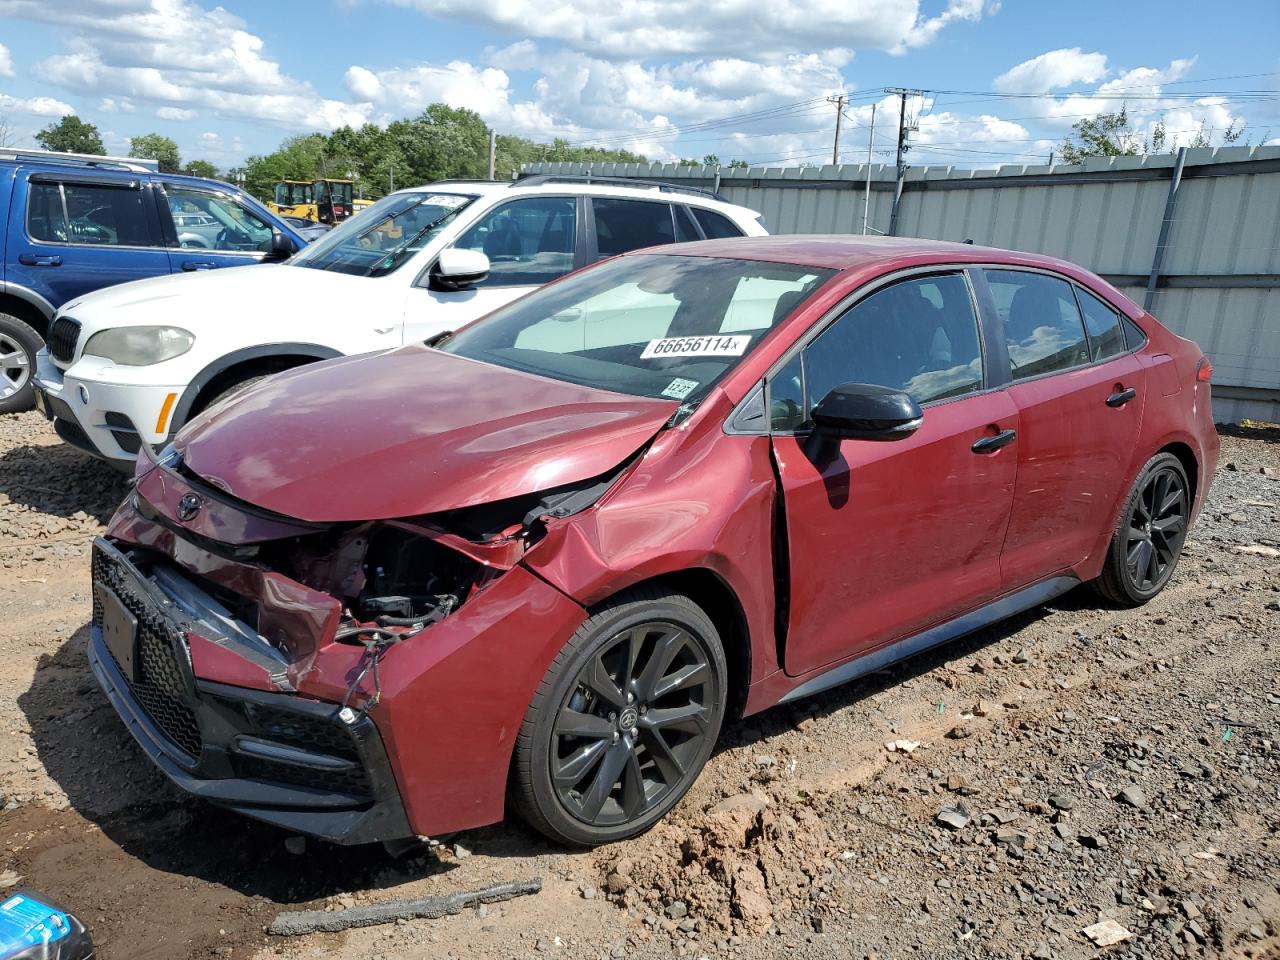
(1204, 372)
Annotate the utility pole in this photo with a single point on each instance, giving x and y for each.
(493, 153)
(866, 197)
(902, 93)
(839, 101)
(1051, 158)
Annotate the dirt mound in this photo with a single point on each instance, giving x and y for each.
(733, 869)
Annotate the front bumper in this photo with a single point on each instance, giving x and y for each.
(281, 758)
(102, 418)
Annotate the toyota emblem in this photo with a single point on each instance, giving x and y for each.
(189, 506)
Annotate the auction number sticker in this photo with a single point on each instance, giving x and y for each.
(711, 346)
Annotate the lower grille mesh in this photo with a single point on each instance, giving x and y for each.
(160, 688)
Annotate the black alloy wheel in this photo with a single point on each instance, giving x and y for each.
(623, 723)
(1148, 541)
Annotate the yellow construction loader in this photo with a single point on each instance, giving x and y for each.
(321, 201)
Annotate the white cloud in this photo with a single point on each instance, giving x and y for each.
(35, 106)
(521, 55)
(6, 62)
(1052, 70)
(730, 28)
(175, 113)
(175, 53)
(209, 137)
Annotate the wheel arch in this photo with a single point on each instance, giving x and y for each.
(1187, 457)
(267, 358)
(29, 307)
(720, 603)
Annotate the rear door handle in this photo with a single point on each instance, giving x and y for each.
(190, 265)
(1121, 398)
(994, 443)
(40, 259)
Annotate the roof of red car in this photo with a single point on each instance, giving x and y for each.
(841, 252)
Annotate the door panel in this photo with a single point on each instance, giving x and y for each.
(71, 234)
(885, 538)
(891, 537)
(1075, 461)
(1080, 423)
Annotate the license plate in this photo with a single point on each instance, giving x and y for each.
(119, 632)
(42, 405)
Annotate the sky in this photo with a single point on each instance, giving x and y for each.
(1003, 81)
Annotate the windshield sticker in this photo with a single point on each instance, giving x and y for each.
(714, 346)
(448, 200)
(679, 388)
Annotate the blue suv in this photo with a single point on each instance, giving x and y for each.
(74, 223)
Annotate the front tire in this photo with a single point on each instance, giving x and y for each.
(1147, 542)
(18, 347)
(623, 722)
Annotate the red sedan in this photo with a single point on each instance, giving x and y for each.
(541, 560)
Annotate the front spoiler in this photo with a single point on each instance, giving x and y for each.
(228, 737)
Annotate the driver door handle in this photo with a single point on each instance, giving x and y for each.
(994, 443)
(190, 265)
(1121, 398)
(40, 259)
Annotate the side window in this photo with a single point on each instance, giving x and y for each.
(1106, 337)
(93, 214)
(623, 225)
(920, 336)
(529, 241)
(1041, 322)
(212, 221)
(715, 225)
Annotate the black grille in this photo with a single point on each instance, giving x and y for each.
(350, 781)
(161, 688)
(124, 432)
(322, 735)
(63, 334)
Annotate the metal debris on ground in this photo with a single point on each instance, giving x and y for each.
(423, 908)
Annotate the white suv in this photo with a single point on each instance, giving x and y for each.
(132, 363)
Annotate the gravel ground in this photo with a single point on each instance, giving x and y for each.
(997, 798)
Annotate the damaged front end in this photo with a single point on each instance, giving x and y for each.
(286, 669)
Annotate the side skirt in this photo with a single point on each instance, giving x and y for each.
(984, 616)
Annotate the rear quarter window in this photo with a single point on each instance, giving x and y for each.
(716, 226)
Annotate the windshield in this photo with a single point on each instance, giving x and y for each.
(648, 325)
(385, 236)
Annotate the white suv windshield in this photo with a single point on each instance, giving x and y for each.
(377, 241)
(650, 325)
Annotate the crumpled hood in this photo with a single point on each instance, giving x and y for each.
(153, 299)
(411, 431)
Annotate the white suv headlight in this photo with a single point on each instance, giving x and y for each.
(140, 346)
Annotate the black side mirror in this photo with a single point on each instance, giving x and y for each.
(865, 411)
(282, 247)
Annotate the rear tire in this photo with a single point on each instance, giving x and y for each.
(1147, 542)
(19, 344)
(623, 722)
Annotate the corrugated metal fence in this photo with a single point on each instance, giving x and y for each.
(1216, 276)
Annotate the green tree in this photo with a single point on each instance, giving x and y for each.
(153, 146)
(738, 165)
(202, 168)
(1106, 135)
(1111, 135)
(71, 135)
